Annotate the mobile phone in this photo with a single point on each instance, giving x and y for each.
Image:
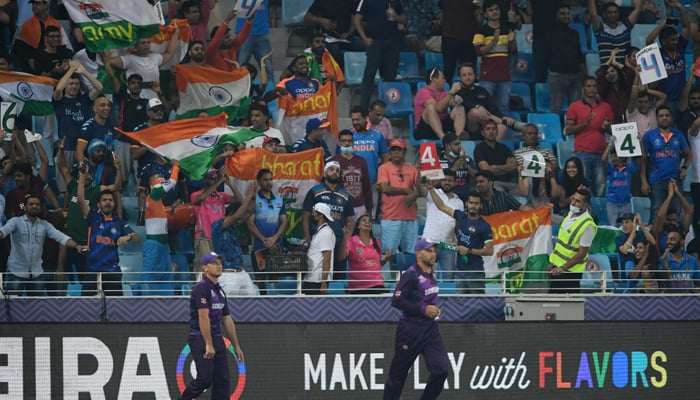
(146, 85)
(671, 21)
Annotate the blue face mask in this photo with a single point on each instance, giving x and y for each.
(346, 150)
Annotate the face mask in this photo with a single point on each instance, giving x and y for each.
(574, 209)
(453, 154)
(346, 150)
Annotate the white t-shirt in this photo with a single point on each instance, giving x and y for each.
(439, 227)
(147, 67)
(323, 240)
(270, 132)
(645, 122)
(694, 142)
(237, 284)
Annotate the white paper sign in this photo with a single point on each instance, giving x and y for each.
(534, 164)
(31, 136)
(246, 7)
(653, 69)
(8, 114)
(626, 140)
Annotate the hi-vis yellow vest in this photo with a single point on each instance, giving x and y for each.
(567, 243)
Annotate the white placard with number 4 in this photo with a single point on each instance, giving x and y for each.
(534, 164)
(626, 140)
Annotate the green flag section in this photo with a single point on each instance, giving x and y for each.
(33, 91)
(195, 142)
(114, 24)
(213, 91)
(604, 240)
(522, 242)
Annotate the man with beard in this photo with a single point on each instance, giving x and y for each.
(315, 130)
(664, 147)
(106, 232)
(495, 201)
(568, 259)
(689, 104)
(300, 85)
(369, 144)
(355, 175)
(474, 241)
(196, 54)
(332, 193)
(463, 166)
(439, 227)
(668, 219)
(416, 296)
(681, 269)
(27, 234)
(322, 65)
(259, 117)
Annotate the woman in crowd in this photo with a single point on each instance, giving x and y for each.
(570, 180)
(642, 274)
(364, 254)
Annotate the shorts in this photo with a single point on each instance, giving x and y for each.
(424, 131)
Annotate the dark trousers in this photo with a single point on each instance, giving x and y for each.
(695, 194)
(382, 56)
(210, 371)
(414, 338)
(111, 284)
(566, 282)
(455, 52)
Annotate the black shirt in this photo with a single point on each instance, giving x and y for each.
(565, 56)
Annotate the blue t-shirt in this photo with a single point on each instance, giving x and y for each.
(301, 88)
(415, 291)
(226, 243)
(103, 255)
(149, 157)
(370, 145)
(71, 114)
(684, 274)
(209, 295)
(267, 217)
(461, 188)
(472, 233)
(338, 200)
(304, 144)
(673, 84)
(620, 182)
(92, 130)
(663, 155)
(378, 25)
(261, 24)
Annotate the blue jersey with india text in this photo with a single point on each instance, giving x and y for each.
(664, 154)
(370, 145)
(415, 291)
(103, 233)
(207, 295)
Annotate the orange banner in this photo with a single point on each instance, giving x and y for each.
(323, 104)
(306, 165)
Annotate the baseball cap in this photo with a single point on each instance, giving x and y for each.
(423, 244)
(154, 102)
(134, 76)
(269, 139)
(487, 122)
(209, 257)
(324, 209)
(315, 123)
(96, 144)
(625, 216)
(449, 138)
(397, 143)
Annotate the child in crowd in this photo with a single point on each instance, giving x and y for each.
(620, 171)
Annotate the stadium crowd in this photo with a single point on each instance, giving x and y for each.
(370, 187)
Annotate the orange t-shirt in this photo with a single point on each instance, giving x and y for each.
(405, 176)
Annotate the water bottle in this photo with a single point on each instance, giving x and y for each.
(296, 241)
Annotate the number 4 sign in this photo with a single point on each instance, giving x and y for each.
(626, 140)
(430, 163)
(533, 164)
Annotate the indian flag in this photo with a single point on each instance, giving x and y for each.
(212, 90)
(111, 24)
(195, 142)
(34, 92)
(522, 242)
(160, 42)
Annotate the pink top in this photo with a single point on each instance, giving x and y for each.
(209, 211)
(405, 177)
(364, 268)
(423, 95)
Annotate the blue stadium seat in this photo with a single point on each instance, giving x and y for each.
(524, 68)
(282, 286)
(565, 149)
(639, 34)
(355, 62)
(543, 99)
(598, 265)
(293, 11)
(593, 42)
(337, 288)
(523, 38)
(582, 35)
(447, 287)
(600, 210)
(549, 124)
(509, 144)
(522, 89)
(399, 104)
(408, 66)
(185, 244)
(592, 63)
(433, 59)
(405, 260)
(469, 146)
(642, 206)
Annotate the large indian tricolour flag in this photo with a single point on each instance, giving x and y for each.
(33, 91)
(212, 90)
(114, 24)
(522, 242)
(194, 142)
(294, 113)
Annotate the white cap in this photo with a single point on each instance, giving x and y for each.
(324, 209)
(154, 102)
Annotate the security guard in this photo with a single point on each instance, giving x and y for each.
(568, 260)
